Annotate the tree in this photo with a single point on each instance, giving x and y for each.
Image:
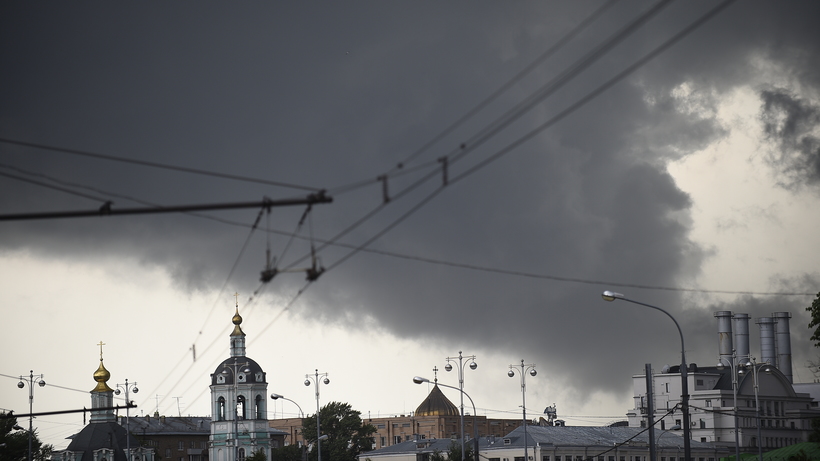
(257, 456)
(454, 452)
(815, 320)
(15, 442)
(347, 435)
(287, 453)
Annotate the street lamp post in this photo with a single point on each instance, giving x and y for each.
(687, 429)
(22, 384)
(733, 364)
(529, 368)
(419, 380)
(315, 379)
(133, 388)
(461, 364)
(235, 369)
(756, 372)
(279, 396)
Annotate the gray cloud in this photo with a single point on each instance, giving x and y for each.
(331, 95)
(792, 124)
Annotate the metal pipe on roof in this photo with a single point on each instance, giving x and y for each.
(767, 348)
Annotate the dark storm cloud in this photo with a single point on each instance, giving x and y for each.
(792, 123)
(334, 94)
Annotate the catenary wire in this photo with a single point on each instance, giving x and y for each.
(402, 165)
(510, 116)
(156, 164)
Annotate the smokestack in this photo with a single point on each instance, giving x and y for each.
(767, 353)
(725, 347)
(742, 335)
(783, 343)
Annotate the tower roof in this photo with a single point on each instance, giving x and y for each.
(437, 404)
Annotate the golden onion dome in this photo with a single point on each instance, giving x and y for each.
(437, 404)
(237, 320)
(102, 376)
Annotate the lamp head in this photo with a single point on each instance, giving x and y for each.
(275, 396)
(20, 385)
(135, 390)
(676, 427)
(326, 380)
(42, 383)
(768, 370)
(611, 295)
(419, 380)
(448, 367)
(117, 392)
(510, 373)
(307, 382)
(533, 372)
(473, 365)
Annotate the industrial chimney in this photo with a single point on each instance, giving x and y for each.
(741, 335)
(783, 343)
(725, 346)
(767, 351)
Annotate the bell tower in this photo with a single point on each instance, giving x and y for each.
(239, 424)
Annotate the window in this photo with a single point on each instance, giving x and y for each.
(699, 382)
(220, 409)
(379, 426)
(702, 439)
(181, 445)
(382, 441)
(663, 424)
(702, 424)
(241, 454)
(168, 453)
(396, 439)
(545, 458)
(240, 407)
(708, 402)
(258, 407)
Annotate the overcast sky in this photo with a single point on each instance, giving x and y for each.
(575, 164)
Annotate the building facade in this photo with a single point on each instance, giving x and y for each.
(103, 439)
(435, 418)
(770, 413)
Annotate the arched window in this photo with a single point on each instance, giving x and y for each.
(240, 407)
(241, 454)
(220, 409)
(259, 409)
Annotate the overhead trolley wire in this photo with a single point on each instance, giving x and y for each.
(157, 165)
(538, 96)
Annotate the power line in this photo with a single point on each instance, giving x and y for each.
(155, 164)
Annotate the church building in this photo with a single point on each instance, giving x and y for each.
(239, 425)
(103, 439)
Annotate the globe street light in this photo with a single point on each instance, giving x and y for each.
(315, 379)
(756, 372)
(523, 373)
(133, 388)
(461, 365)
(234, 367)
(22, 384)
(687, 429)
(734, 369)
(419, 380)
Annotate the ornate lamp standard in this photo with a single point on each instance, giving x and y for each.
(133, 388)
(419, 380)
(279, 396)
(235, 369)
(461, 364)
(523, 373)
(734, 368)
(684, 379)
(315, 379)
(756, 372)
(22, 384)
